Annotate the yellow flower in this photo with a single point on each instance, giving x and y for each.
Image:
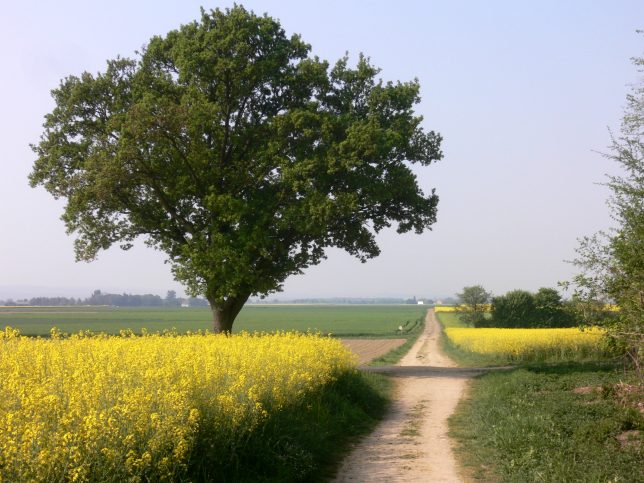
(527, 344)
(132, 407)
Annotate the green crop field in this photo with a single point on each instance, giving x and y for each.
(340, 320)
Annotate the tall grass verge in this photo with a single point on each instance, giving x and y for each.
(450, 319)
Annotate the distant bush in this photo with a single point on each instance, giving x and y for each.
(523, 309)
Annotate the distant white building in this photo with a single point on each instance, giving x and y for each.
(421, 302)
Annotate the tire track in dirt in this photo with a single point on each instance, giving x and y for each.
(411, 443)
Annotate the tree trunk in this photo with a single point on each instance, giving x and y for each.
(224, 314)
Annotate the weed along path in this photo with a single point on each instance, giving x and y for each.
(411, 443)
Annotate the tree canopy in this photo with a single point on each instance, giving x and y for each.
(474, 300)
(229, 148)
(520, 308)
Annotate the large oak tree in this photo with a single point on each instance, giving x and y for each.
(229, 148)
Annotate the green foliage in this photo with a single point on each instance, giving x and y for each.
(612, 264)
(551, 310)
(227, 147)
(551, 423)
(522, 309)
(514, 309)
(474, 302)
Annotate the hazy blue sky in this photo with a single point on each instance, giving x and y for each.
(523, 93)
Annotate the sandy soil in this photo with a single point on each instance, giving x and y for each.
(411, 443)
(369, 349)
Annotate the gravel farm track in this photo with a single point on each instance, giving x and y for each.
(411, 443)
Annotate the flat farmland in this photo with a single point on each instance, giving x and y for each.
(338, 320)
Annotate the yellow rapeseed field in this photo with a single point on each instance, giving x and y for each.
(131, 408)
(446, 308)
(458, 308)
(528, 344)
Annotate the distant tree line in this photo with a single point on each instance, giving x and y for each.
(197, 302)
(414, 301)
(343, 301)
(126, 300)
(43, 301)
(120, 300)
(334, 300)
(171, 300)
(516, 309)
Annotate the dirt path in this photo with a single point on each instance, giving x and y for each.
(411, 443)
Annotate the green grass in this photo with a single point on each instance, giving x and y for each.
(529, 425)
(450, 319)
(339, 320)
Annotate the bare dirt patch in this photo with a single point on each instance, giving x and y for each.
(627, 395)
(369, 349)
(587, 390)
(630, 439)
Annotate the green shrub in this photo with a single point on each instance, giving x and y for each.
(522, 309)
